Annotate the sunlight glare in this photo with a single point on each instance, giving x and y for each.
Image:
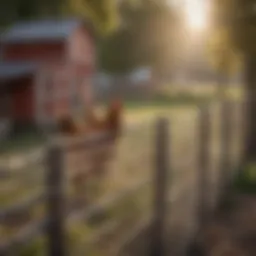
(195, 12)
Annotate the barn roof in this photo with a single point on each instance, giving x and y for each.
(11, 70)
(50, 29)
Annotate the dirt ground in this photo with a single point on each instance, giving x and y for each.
(233, 231)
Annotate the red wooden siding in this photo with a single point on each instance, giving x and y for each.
(56, 95)
(5, 105)
(22, 101)
(56, 108)
(82, 50)
(34, 52)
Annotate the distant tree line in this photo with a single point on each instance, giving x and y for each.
(103, 13)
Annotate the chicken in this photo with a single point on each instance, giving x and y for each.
(95, 158)
(112, 121)
(92, 123)
(67, 126)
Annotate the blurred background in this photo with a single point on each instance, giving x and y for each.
(173, 80)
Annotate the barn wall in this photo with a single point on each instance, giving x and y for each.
(4, 105)
(34, 52)
(81, 53)
(22, 101)
(81, 50)
(53, 91)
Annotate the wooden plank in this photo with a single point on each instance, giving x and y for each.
(55, 202)
(160, 200)
(204, 130)
(225, 147)
(81, 142)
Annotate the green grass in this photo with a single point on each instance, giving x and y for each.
(165, 100)
(246, 181)
(20, 143)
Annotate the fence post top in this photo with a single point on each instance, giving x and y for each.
(162, 120)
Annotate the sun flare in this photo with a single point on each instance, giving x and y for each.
(196, 14)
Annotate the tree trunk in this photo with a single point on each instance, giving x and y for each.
(249, 150)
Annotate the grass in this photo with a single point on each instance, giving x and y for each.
(20, 143)
(246, 181)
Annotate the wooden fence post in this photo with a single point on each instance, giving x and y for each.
(242, 136)
(55, 203)
(160, 200)
(225, 147)
(203, 164)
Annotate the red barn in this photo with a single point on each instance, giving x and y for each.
(46, 70)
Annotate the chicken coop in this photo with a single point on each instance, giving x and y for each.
(46, 70)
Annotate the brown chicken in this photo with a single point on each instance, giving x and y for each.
(111, 122)
(97, 159)
(92, 123)
(67, 126)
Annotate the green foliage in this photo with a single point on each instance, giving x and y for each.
(238, 17)
(243, 21)
(36, 248)
(222, 54)
(15, 10)
(250, 173)
(102, 13)
(223, 50)
(116, 52)
(147, 37)
(246, 182)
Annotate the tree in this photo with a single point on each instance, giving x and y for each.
(239, 18)
(224, 59)
(145, 38)
(102, 13)
(16, 10)
(116, 52)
